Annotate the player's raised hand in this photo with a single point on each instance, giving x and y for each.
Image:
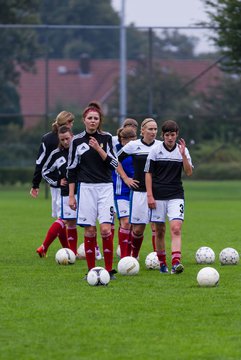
(181, 146)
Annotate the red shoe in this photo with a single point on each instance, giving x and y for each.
(41, 251)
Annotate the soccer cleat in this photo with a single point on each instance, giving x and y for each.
(177, 268)
(85, 277)
(41, 251)
(98, 255)
(164, 269)
(112, 274)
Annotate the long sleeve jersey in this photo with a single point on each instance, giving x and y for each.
(55, 169)
(85, 164)
(49, 143)
(121, 190)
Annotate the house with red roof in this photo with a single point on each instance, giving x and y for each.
(65, 83)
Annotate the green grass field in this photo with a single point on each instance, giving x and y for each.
(49, 312)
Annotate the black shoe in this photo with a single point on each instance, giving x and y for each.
(112, 274)
(85, 277)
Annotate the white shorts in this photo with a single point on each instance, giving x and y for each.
(122, 208)
(66, 212)
(173, 209)
(139, 210)
(95, 201)
(56, 202)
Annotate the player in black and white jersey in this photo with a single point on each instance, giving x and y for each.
(165, 191)
(54, 172)
(49, 143)
(91, 161)
(139, 150)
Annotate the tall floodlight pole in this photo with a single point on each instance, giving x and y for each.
(122, 65)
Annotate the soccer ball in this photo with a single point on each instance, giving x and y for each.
(81, 251)
(152, 261)
(205, 255)
(229, 256)
(65, 256)
(208, 276)
(118, 252)
(98, 276)
(128, 266)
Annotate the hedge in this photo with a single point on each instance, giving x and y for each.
(217, 171)
(15, 175)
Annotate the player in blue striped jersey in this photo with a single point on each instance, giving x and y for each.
(122, 192)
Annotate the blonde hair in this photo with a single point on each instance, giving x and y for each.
(62, 119)
(145, 122)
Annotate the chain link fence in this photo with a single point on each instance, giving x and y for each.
(167, 72)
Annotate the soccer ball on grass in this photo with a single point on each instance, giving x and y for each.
(152, 261)
(208, 276)
(128, 266)
(98, 276)
(81, 251)
(205, 255)
(229, 256)
(118, 251)
(65, 256)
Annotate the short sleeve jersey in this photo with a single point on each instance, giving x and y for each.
(139, 151)
(166, 169)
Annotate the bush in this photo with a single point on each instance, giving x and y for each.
(218, 171)
(15, 175)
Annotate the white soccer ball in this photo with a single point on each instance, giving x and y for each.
(118, 252)
(208, 276)
(81, 251)
(152, 261)
(65, 256)
(128, 266)
(205, 255)
(98, 276)
(229, 256)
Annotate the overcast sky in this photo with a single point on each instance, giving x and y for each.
(166, 13)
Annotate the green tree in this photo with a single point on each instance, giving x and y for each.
(103, 43)
(220, 110)
(18, 49)
(71, 43)
(161, 95)
(171, 44)
(225, 18)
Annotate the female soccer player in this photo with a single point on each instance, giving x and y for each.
(122, 192)
(49, 143)
(165, 192)
(54, 172)
(139, 211)
(91, 161)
